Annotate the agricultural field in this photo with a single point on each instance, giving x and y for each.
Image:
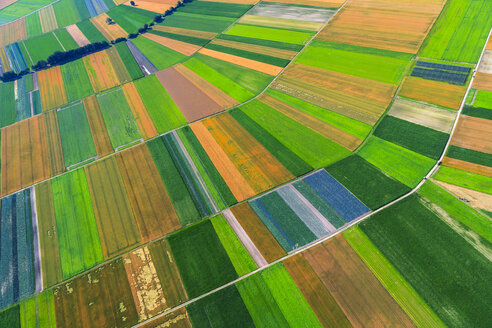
(245, 163)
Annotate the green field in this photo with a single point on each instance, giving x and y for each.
(38, 311)
(284, 155)
(75, 135)
(76, 226)
(33, 25)
(7, 97)
(460, 32)
(418, 138)
(224, 308)
(222, 82)
(118, 117)
(76, 81)
(131, 18)
(469, 155)
(160, 56)
(366, 181)
(402, 164)
(450, 275)
(379, 65)
(198, 22)
(458, 209)
(215, 8)
(268, 33)
(66, 39)
(179, 37)
(410, 301)
(11, 316)
(129, 61)
(479, 112)
(483, 99)
(201, 259)
(70, 11)
(465, 179)
(175, 186)
(198, 154)
(90, 31)
(347, 124)
(42, 46)
(262, 42)
(313, 148)
(17, 9)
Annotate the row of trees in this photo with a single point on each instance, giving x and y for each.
(63, 57)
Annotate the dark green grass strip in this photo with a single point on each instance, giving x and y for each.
(175, 186)
(131, 18)
(198, 22)
(250, 55)
(418, 138)
(261, 42)
(478, 112)
(449, 274)
(201, 259)
(183, 38)
(214, 175)
(363, 50)
(291, 161)
(11, 317)
(224, 308)
(469, 155)
(233, 10)
(7, 97)
(90, 31)
(129, 61)
(367, 182)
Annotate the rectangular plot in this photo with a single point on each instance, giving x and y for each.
(335, 194)
(150, 201)
(110, 31)
(201, 259)
(75, 135)
(176, 319)
(77, 35)
(97, 126)
(38, 311)
(118, 65)
(115, 220)
(102, 297)
(279, 22)
(76, 227)
(48, 19)
(184, 48)
(270, 34)
(118, 118)
(129, 61)
(76, 80)
(473, 133)
(51, 88)
(440, 75)
(361, 296)
(142, 117)
(101, 71)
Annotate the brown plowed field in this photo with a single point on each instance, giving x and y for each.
(110, 32)
(439, 93)
(149, 199)
(319, 298)
(13, 32)
(191, 101)
(339, 136)
(473, 133)
(157, 6)
(100, 298)
(234, 180)
(467, 166)
(53, 140)
(476, 199)
(77, 35)
(259, 234)
(98, 127)
(118, 230)
(51, 88)
(101, 72)
(355, 288)
(139, 111)
(186, 49)
(248, 63)
(483, 81)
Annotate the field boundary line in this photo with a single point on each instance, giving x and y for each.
(31, 13)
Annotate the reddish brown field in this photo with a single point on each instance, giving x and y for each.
(191, 101)
(31, 152)
(110, 32)
(144, 283)
(100, 298)
(261, 169)
(149, 199)
(165, 266)
(391, 25)
(220, 97)
(51, 88)
(248, 63)
(319, 298)
(439, 93)
(118, 229)
(231, 175)
(467, 166)
(13, 32)
(186, 49)
(339, 136)
(97, 126)
(142, 116)
(175, 319)
(473, 133)
(483, 81)
(359, 293)
(259, 234)
(77, 35)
